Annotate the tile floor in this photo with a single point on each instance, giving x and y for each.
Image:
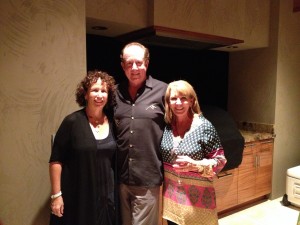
(269, 212)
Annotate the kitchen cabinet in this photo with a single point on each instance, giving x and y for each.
(255, 171)
(264, 168)
(247, 174)
(250, 181)
(226, 189)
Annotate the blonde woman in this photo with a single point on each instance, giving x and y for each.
(192, 154)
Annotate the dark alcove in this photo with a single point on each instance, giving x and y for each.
(206, 70)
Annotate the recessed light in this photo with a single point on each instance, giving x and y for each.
(99, 28)
(232, 46)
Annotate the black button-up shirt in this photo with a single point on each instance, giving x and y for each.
(139, 127)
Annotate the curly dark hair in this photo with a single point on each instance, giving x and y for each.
(88, 81)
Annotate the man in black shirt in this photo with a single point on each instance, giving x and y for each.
(139, 117)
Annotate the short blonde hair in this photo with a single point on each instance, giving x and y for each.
(184, 88)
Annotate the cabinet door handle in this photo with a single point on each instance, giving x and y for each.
(225, 174)
(255, 161)
(265, 150)
(249, 145)
(250, 153)
(267, 142)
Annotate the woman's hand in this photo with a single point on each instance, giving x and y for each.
(184, 164)
(57, 206)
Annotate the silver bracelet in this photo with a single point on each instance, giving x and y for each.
(56, 195)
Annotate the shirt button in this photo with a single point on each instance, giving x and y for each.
(130, 159)
(130, 146)
(132, 118)
(131, 131)
(133, 104)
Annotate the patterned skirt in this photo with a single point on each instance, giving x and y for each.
(188, 198)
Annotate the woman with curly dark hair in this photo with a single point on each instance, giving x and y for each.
(82, 158)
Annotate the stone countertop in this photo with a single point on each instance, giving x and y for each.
(251, 136)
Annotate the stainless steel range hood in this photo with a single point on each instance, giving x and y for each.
(168, 37)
